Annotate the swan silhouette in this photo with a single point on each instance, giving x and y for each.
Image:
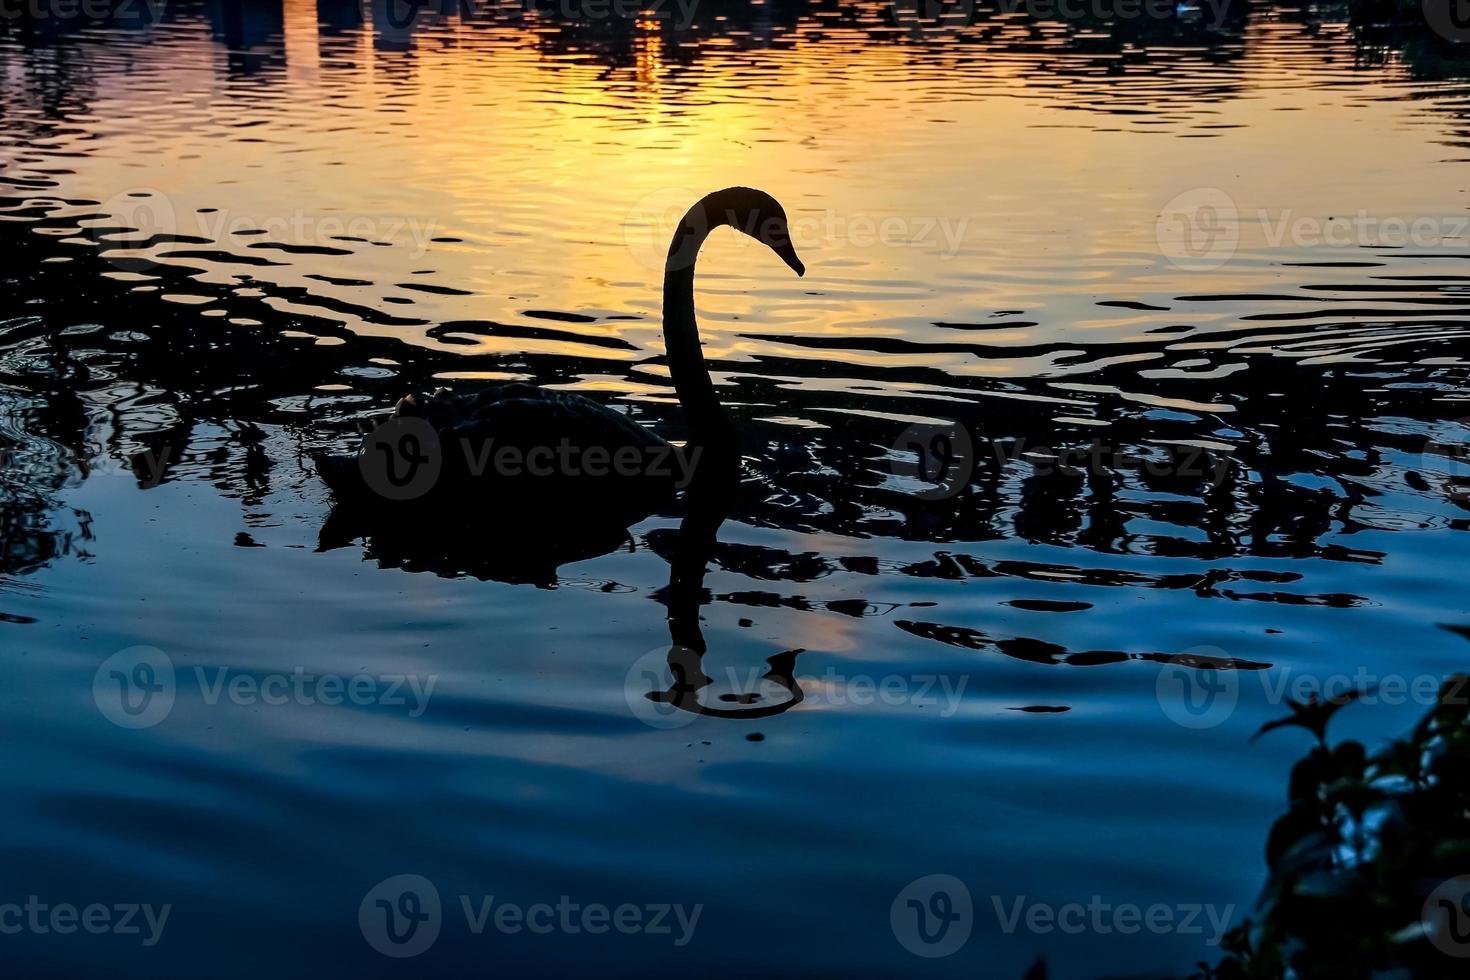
(517, 452)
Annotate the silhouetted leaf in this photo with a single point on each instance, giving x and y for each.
(1313, 715)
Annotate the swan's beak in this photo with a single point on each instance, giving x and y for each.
(788, 255)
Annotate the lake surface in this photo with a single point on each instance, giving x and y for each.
(1230, 249)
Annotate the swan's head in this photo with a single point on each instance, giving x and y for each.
(759, 215)
(751, 212)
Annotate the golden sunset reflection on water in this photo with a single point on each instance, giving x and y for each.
(470, 170)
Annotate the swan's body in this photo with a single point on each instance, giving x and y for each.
(473, 426)
(521, 448)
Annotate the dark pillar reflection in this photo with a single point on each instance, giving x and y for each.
(338, 16)
(252, 30)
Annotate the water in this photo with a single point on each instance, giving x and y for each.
(237, 232)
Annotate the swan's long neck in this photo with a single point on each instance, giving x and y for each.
(708, 422)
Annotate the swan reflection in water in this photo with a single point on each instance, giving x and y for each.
(711, 496)
(486, 552)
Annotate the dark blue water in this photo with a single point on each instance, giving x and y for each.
(231, 713)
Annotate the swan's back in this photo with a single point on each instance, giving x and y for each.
(526, 450)
(526, 416)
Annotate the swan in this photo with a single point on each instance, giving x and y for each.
(515, 449)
